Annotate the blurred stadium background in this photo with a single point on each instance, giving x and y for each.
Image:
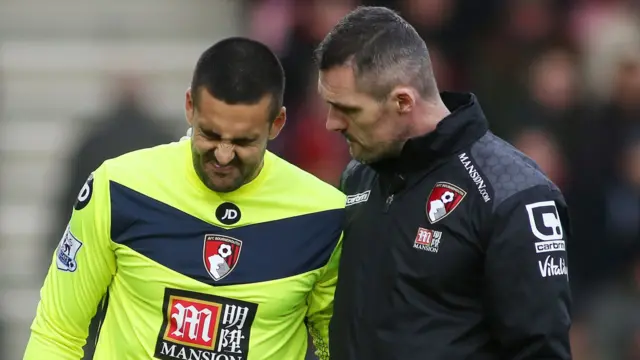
(81, 81)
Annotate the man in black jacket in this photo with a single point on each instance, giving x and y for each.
(455, 242)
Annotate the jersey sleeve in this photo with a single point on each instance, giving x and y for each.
(527, 283)
(320, 304)
(82, 268)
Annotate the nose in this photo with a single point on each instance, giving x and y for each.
(225, 153)
(335, 123)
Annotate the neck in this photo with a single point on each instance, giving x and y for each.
(428, 115)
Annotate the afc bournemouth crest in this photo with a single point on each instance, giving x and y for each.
(221, 254)
(443, 199)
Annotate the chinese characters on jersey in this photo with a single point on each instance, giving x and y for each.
(201, 326)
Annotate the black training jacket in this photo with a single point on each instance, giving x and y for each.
(455, 250)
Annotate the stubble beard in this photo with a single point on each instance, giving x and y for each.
(198, 166)
(381, 152)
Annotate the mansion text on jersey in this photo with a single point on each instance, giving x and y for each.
(185, 353)
(475, 176)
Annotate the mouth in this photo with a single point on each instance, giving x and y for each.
(352, 142)
(220, 169)
(348, 138)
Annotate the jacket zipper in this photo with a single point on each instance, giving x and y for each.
(387, 203)
(396, 186)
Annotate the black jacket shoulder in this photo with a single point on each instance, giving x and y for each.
(353, 172)
(507, 171)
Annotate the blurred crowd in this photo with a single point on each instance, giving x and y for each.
(559, 79)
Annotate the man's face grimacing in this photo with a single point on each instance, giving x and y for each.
(374, 129)
(229, 141)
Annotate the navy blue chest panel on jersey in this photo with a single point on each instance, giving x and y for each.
(175, 239)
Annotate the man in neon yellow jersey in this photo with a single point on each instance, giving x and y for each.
(208, 248)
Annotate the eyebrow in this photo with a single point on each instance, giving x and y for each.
(211, 133)
(343, 106)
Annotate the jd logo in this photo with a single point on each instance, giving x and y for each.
(228, 213)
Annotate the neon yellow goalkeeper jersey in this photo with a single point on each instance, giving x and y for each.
(190, 274)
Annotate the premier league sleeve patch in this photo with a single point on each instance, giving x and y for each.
(67, 252)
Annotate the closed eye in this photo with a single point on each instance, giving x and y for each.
(348, 110)
(244, 141)
(210, 135)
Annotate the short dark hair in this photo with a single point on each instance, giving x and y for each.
(383, 49)
(238, 70)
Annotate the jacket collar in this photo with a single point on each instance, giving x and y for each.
(465, 125)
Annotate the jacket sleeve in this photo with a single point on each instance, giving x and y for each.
(81, 271)
(320, 304)
(527, 284)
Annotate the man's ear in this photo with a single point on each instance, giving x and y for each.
(278, 123)
(404, 99)
(189, 108)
